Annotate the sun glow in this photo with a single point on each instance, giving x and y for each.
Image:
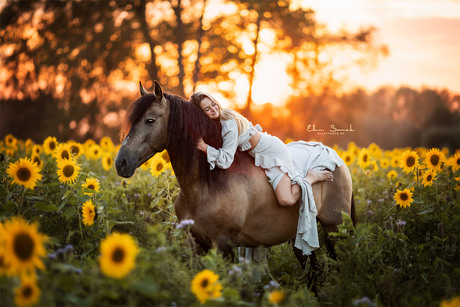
(271, 82)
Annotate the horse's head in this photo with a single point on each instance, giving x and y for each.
(147, 123)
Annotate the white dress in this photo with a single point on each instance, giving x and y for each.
(277, 159)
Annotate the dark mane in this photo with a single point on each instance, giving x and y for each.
(187, 123)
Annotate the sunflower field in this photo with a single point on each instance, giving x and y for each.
(73, 233)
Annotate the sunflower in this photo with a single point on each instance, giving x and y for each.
(403, 198)
(29, 144)
(157, 165)
(453, 302)
(205, 285)
(351, 146)
(92, 184)
(409, 161)
(392, 175)
(276, 297)
(373, 166)
(23, 246)
(421, 151)
(37, 149)
(25, 173)
(36, 159)
(4, 267)
(50, 145)
(107, 161)
(62, 152)
(10, 141)
(454, 162)
(375, 151)
(394, 161)
(164, 154)
(27, 293)
(68, 170)
(118, 255)
(428, 177)
(434, 158)
(89, 213)
(95, 152)
(347, 157)
(107, 144)
(364, 159)
(10, 151)
(76, 149)
(384, 163)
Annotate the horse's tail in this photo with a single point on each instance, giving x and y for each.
(353, 210)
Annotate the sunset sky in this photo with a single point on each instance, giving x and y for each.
(423, 37)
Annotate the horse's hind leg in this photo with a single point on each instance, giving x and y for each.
(314, 271)
(298, 254)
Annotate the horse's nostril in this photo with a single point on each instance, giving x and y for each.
(120, 164)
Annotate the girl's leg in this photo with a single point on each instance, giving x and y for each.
(287, 193)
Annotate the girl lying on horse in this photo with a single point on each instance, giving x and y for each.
(269, 152)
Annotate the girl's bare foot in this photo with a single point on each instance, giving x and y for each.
(314, 176)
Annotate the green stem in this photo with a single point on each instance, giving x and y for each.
(22, 200)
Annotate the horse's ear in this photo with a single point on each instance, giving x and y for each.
(143, 90)
(158, 91)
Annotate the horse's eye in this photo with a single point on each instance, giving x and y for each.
(149, 121)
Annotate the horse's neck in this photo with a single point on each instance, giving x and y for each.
(186, 171)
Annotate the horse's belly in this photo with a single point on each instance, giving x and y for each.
(270, 226)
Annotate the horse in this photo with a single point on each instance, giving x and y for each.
(233, 207)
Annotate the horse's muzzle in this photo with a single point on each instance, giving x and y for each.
(124, 169)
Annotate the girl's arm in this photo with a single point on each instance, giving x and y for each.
(222, 157)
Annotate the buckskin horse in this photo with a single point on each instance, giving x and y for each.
(233, 207)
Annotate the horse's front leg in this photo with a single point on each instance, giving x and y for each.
(226, 250)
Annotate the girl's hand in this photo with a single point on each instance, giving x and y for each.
(201, 145)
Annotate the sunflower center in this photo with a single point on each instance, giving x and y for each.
(65, 155)
(27, 292)
(24, 174)
(434, 160)
(23, 246)
(91, 186)
(429, 177)
(410, 161)
(52, 145)
(365, 158)
(165, 156)
(159, 167)
(404, 197)
(118, 255)
(204, 283)
(458, 161)
(68, 170)
(3, 263)
(109, 161)
(74, 150)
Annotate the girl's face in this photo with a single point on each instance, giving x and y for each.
(210, 108)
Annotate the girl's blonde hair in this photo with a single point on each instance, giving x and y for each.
(224, 114)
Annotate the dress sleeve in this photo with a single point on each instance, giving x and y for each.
(223, 157)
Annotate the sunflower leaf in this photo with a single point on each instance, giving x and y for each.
(70, 212)
(45, 207)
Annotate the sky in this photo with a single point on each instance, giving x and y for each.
(423, 37)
